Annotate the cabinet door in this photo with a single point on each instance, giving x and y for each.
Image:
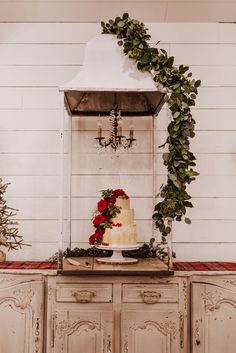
(83, 331)
(21, 314)
(150, 331)
(213, 318)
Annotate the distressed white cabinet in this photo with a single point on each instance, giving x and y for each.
(154, 316)
(213, 311)
(21, 313)
(116, 315)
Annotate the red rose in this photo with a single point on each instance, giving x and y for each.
(120, 192)
(100, 230)
(102, 205)
(111, 199)
(91, 239)
(98, 236)
(99, 219)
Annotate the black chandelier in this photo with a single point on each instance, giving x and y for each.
(116, 140)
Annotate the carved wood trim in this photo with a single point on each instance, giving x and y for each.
(37, 335)
(213, 301)
(166, 328)
(126, 344)
(181, 330)
(196, 333)
(22, 298)
(67, 327)
(185, 293)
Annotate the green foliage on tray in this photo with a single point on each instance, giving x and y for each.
(148, 250)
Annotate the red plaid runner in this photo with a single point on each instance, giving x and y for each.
(177, 266)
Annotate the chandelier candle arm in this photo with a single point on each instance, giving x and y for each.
(116, 139)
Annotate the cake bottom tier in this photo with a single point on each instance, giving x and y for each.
(124, 235)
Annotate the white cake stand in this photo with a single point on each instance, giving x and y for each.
(117, 256)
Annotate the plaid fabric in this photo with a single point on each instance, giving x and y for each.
(204, 266)
(177, 266)
(27, 265)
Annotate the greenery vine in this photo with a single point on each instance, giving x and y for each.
(181, 92)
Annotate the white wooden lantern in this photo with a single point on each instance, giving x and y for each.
(108, 80)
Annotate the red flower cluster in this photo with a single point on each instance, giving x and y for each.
(120, 192)
(102, 220)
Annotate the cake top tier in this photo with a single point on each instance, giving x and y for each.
(123, 203)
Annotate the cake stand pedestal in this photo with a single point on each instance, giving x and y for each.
(117, 256)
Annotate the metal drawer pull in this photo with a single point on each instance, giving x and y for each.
(83, 296)
(150, 297)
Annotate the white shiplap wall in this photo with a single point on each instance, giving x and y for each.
(37, 57)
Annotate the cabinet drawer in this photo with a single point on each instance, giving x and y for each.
(150, 293)
(84, 293)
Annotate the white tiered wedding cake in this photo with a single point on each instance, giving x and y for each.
(125, 232)
(114, 220)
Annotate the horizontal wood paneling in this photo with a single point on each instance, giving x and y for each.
(32, 119)
(53, 76)
(71, 33)
(37, 57)
(39, 231)
(204, 231)
(214, 54)
(205, 11)
(88, 185)
(35, 252)
(85, 11)
(209, 186)
(29, 164)
(110, 164)
(71, 11)
(29, 98)
(28, 141)
(208, 164)
(201, 252)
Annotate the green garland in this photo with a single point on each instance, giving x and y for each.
(181, 92)
(147, 250)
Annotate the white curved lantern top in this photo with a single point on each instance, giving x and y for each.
(110, 80)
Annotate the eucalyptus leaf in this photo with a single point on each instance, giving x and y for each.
(181, 92)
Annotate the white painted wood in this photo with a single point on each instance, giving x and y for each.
(208, 186)
(216, 98)
(216, 54)
(29, 164)
(208, 164)
(43, 54)
(80, 11)
(29, 98)
(74, 33)
(205, 251)
(39, 76)
(125, 325)
(21, 310)
(32, 119)
(206, 11)
(204, 231)
(213, 318)
(35, 142)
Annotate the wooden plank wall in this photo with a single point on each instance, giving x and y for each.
(37, 57)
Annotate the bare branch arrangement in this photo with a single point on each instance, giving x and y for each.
(9, 236)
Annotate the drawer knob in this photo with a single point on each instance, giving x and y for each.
(83, 296)
(150, 297)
